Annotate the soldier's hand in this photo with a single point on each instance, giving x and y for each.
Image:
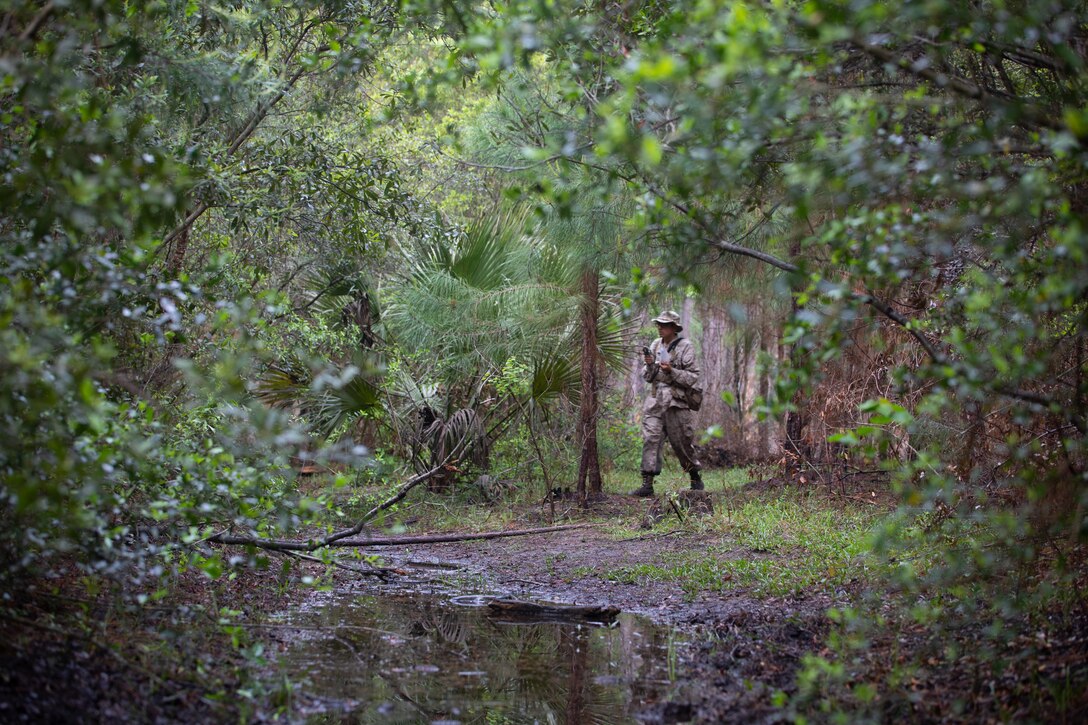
(648, 359)
(666, 367)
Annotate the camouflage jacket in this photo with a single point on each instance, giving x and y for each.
(670, 389)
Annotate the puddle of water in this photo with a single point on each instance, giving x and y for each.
(412, 658)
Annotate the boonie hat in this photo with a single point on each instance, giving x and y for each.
(669, 318)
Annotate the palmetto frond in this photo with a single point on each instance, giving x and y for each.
(486, 256)
(334, 406)
(554, 377)
(283, 385)
(498, 293)
(410, 394)
(330, 287)
(326, 400)
(614, 338)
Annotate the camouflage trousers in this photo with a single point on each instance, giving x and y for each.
(676, 424)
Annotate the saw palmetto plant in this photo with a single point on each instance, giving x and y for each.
(500, 292)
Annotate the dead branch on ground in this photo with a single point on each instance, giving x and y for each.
(444, 538)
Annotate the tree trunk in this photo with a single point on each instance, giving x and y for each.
(766, 342)
(796, 420)
(716, 378)
(634, 387)
(177, 253)
(686, 310)
(743, 370)
(589, 467)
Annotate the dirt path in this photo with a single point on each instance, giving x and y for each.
(573, 567)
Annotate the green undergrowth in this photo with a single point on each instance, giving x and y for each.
(672, 479)
(468, 508)
(769, 542)
(772, 543)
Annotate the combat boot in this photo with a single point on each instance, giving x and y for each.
(647, 489)
(696, 481)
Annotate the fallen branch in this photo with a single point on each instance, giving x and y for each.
(443, 538)
(647, 537)
(526, 581)
(862, 499)
(380, 572)
(315, 544)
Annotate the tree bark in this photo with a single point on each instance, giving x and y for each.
(686, 310)
(589, 467)
(177, 252)
(796, 420)
(715, 370)
(766, 344)
(633, 384)
(553, 611)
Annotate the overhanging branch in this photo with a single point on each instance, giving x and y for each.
(1033, 114)
(248, 129)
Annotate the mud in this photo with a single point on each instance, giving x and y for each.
(743, 648)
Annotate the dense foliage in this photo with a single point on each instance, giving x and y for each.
(363, 213)
(122, 127)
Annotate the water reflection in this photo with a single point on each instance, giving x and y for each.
(412, 659)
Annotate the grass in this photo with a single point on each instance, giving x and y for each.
(774, 544)
(621, 481)
(769, 543)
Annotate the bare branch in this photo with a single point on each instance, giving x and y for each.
(380, 572)
(1033, 114)
(35, 25)
(248, 129)
(315, 544)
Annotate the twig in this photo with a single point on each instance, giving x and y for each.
(654, 536)
(252, 123)
(32, 29)
(209, 537)
(526, 581)
(863, 500)
(676, 509)
(1033, 114)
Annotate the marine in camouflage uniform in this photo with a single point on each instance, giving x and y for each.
(666, 412)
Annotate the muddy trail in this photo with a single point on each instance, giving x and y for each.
(422, 645)
(671, 656)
